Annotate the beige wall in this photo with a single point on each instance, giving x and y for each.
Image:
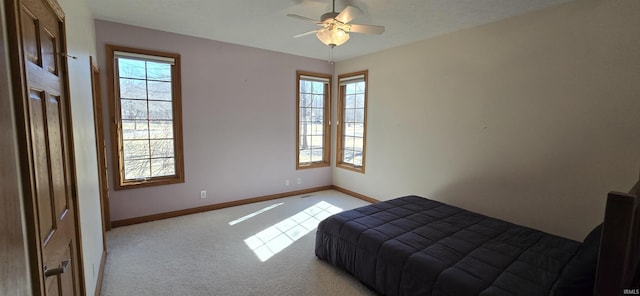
(81, 44)
(531, 119)
(238, 109)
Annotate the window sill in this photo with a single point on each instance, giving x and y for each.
(123, 185)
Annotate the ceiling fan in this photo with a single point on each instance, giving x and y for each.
(335, 27)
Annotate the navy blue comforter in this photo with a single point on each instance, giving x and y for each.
(416, 246)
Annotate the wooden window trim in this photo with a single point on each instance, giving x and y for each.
(115, 125)
(340, 131)
(326, 122)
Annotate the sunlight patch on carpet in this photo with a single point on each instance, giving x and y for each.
(279, 236)
(256, 213)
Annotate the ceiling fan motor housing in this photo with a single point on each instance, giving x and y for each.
(328, 17)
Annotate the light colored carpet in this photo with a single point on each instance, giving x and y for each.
(202, 254)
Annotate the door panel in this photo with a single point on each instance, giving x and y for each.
(58, 170)
(30, 28)
(41, 167)
(49, 50)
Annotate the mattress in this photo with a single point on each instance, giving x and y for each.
(416, 246)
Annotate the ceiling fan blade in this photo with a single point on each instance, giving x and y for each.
(304, 18)
(305, 33)
(348, 14)
(366, 29)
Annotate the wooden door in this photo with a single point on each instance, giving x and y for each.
(46, 150)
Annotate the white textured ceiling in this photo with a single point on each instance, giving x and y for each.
(264, 24)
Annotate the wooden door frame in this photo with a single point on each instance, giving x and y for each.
(103, 178)
(20, 92)
(98, 117)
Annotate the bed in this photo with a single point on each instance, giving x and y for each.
(416, 246)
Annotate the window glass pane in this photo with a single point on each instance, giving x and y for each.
(137, 169)
(357, 159)
(159, 90)
(318, 129)
(316, 155)
(160, 110)
(318, 101)
(349, 115)
(162, 167)
(158, 71)
(347, 155)
(360, 101)
(311, 143)
(306, 101)
(305, 86)
(304, 129)
(316, 141)
(348, 129)
(350, 88)
(131, 68)
(303, 114)
(317, 87)
(350, 101)
(359, 114)
(346, 143)
(133, 109)
(303, 142)
(160, 129)
(133, 89)
(135, 129)
(359, 87)
(135, 149)
(358, 144)
(304, 156)
(161, 148)
(358, 129)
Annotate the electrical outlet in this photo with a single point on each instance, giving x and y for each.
(287, 183)
(203, 194)
(299, 180)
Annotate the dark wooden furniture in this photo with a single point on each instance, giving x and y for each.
(620, 247)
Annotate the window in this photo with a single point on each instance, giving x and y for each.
(312, 120)
(146, 107)
(352, 124)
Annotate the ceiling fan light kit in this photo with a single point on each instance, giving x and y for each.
(332, 36)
